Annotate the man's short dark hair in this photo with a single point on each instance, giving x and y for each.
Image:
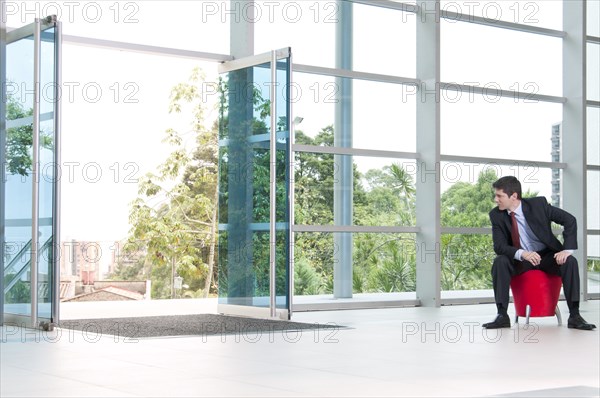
(509, 185)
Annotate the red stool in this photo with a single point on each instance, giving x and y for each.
(535, 294)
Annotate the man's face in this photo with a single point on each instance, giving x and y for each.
(504, 201)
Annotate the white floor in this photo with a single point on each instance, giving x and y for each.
(388, 352)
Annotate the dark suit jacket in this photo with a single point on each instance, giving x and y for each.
(539, 214)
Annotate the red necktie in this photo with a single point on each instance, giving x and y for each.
(515, 231)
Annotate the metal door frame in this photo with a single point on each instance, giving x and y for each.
(273, 312)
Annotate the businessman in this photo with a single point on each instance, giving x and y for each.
(523, 241)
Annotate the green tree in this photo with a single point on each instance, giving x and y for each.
(386, 262)
(467, 259)
(390, 196)
(174, 215)
(314, 177)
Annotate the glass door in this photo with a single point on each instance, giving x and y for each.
(255, 206)
(29, 145)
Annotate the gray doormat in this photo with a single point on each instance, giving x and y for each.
(250, 329)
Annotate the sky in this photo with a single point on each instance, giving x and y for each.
(115, 104)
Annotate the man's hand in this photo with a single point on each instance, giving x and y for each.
(533, 257)
(561, 257)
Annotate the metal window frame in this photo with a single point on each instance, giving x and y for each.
(592, 39)
(516, 95)
(468, 18)
(145, 49)
(352, 74)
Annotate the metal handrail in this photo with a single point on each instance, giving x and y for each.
(18, 256)
(23, 269)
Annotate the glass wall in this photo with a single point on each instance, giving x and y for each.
(466, 200)
(593, 18)
(382, 190)
(493, 58)
(487, 128)
(593, 265)
(377, 191)
(118, 110)
(593, 136)
(490, 125)
(371, 41)
(382, 263)
(593, 65)
(387, 125)
(298, 25)
(593, 226)
(593, 143)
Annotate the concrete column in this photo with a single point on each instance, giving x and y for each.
(574, 186)
(241, 278)
(241, 30)
(428, 241)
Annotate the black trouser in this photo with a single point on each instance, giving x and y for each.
(504, 268)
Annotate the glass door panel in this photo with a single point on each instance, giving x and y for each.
(18, 176)
(29, 185)
(254, 238)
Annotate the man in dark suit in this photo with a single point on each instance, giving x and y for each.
(523, 240)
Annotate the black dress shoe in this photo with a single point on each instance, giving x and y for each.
(577, 322)
(501, 321)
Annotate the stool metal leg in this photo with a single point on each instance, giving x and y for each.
(527, 312)
(558, 316)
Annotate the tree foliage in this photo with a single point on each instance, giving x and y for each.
(173, 218)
